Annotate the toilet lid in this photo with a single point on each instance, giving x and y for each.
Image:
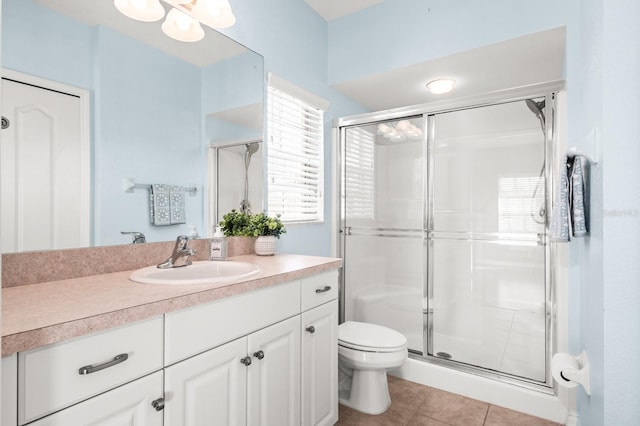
(370, 337)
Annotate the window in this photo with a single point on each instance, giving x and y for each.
(359, 181)
(521, 204)
(295, 154)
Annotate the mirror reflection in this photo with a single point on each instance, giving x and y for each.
(147, 108)
(239, 178)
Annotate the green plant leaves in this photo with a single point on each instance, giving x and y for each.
(237, 224)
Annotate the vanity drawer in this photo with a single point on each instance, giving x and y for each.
(197, 329)
(319, 289)
(62, 374)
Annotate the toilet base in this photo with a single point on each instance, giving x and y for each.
(369, 392)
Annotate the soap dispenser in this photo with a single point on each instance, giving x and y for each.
(218, 245)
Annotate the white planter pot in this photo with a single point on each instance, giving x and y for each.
(266, 245)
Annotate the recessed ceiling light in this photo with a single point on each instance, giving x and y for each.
(440, 86)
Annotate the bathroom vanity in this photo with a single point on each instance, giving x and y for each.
(260, 352)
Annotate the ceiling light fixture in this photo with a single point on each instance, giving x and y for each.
(440, 86)
(400, 132)
(141, 10)
(214, 13)
(182, 27)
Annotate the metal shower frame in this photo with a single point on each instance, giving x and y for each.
(548, 91)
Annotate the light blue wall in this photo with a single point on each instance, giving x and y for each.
(138, 103)
(147, 126)
(47, 45)
(399, 33)
(620, 62)
(294, 42)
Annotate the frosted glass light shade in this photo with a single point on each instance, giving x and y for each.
(440, 86)
(141, 10)
(182, 27)
(214, 13)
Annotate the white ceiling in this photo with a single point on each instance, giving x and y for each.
(513, 63)
(332, 9)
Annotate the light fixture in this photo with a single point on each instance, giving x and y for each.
(400, 132)
(440, 86)
(182, 27)
(141, 10)
(214, 13)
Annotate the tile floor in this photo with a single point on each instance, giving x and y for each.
(416, 405)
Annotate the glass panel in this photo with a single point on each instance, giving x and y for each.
(383, 246)
(489, 170)
(489, 305)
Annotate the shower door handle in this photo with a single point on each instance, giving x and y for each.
(346, 230)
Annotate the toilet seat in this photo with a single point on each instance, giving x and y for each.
(370, 337)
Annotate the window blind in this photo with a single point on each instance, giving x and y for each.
(359, 179)
(295, 158)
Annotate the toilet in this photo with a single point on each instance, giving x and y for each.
(365, 353)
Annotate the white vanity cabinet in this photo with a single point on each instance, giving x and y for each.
(59, 375)
(131, 404)
(280, 367)
(264, 357)
(253, 380)
(320, 349)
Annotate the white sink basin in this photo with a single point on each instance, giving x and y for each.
(203, 272)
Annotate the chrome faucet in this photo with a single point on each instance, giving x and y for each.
(181, 254)
(138, 237)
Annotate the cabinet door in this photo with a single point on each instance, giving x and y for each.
(129, 405)
(274, 376)
(320, 365)
(208, 389)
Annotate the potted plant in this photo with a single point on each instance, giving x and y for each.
(264, 228)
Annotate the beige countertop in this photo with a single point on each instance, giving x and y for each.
(39, 314)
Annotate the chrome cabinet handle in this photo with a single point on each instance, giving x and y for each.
(323, 290)
(246, 361)
(88, 369)
(311, 329)
(158, 404)
(259, 354)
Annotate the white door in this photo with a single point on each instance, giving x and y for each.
(44, 161)
(128, 405)
(273, 385)
(320, 365)
(208, 389)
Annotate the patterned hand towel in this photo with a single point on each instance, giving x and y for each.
(160, 205)
(177, 205)
(578, 201)
(560, 224)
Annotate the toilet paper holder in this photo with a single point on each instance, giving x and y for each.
(569, 371)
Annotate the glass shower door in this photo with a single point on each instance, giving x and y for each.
(486, 240)
(382, 225)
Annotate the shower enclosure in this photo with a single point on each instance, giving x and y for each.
(236, 172)
(443, 232)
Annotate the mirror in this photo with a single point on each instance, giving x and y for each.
(238, 181)
(156, 105)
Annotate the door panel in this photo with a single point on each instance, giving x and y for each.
(44, 164)
(208, 389)
(383, 225)
(273, 385)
